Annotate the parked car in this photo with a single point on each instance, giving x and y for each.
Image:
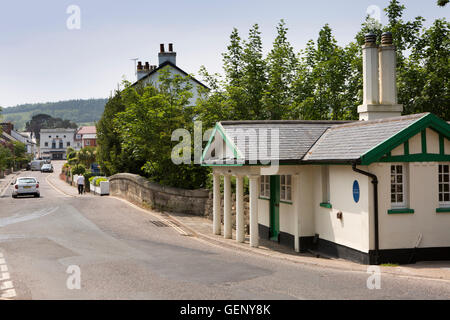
(28, 168)
(26, 186)
(47, 167)
(36, 165)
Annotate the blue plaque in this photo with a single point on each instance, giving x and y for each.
(356, 191)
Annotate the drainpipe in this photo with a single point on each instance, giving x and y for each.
(375, 200)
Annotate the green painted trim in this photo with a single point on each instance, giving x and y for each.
(429, 120)
(209, 143)
(440, 210)
(420, 157)
(286, 202)
(326, 205)
(230, 144)
(406, 148)
(395, 211)
(441, 144)
(423, 134)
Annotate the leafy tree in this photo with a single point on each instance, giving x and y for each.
(281, 65)
(145, 128)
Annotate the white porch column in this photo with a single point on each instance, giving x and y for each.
(227, 226)
(240, 232)
(254, 236)
(216, 204)
(296, 199)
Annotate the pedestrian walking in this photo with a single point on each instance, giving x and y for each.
(80, 183)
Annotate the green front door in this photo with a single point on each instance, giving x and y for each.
(274, 207)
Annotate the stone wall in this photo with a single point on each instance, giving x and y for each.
(139, 190)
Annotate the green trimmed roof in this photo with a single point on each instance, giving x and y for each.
(320, 141)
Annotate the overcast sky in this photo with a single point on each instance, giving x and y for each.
(41, 59)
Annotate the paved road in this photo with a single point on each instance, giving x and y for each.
(122, 254)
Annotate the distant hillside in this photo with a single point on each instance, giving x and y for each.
(82, 112)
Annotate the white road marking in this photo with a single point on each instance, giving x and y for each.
(8, 294)
(21, 218)
(58, 190)
(6, 285)
(4, 276)
(7, 290)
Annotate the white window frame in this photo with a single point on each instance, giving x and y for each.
(286, 188)
(264, 187)
(441, 174)
(404, 183)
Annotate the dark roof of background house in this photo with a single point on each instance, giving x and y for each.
(296, 136)
(351, 141)
(168, 63)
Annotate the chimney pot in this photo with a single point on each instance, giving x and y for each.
(139, 65)
(370, 38)
(170, 47)
(386, 38)
(161, 47)
(147, 66)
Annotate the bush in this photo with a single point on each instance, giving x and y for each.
(78, 169)
(98, 180)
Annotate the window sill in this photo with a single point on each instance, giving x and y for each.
(326, 205)
(403, 210)
(286, 202)
(262, 198)
(440, 210)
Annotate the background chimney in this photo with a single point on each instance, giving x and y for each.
(142, 70)
(379, 80)
(167, 56)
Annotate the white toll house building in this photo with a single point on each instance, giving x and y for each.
(372, 191)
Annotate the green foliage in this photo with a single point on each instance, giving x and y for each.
(83, 112)
(78, 169)
(324, 81)
(5, 157)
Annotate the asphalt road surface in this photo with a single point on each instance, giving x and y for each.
(121, 254)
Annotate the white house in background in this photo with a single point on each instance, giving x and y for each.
(373, 191)
(54, 142)
(167, 60)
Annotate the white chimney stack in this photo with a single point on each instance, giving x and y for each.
(379, 79)
(169, 56)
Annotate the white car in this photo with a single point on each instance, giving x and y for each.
(25, 186)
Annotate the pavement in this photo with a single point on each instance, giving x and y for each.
(118, 250)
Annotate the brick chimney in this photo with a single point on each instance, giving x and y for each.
(164, 56)
(379, 79)
(142, 70)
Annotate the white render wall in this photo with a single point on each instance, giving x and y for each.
(403, 230)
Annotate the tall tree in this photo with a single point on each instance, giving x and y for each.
(281, 67)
